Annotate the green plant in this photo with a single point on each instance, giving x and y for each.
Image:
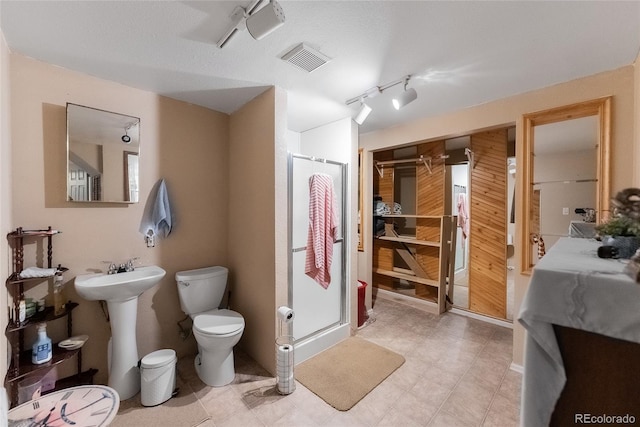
(619, 226)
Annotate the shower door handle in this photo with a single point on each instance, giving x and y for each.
(304, 248)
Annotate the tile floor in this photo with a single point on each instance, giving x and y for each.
(456, 374)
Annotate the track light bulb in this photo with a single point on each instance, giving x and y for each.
(264, 21)
(409, 95)
(364, 112)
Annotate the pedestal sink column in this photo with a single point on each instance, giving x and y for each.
(124, 375)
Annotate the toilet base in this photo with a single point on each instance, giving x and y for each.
(216, 373)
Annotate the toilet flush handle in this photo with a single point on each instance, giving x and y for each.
(183, 283)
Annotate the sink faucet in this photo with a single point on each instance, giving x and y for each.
(113, 269)
(122, 268)
(130, 266)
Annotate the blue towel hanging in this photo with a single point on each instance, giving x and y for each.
(156, 220)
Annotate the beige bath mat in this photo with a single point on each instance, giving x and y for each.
(348, 371)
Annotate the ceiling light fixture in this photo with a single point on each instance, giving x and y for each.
(258, 22)
(405, 97)
(126, 138)
(364, 112)
(266, 20)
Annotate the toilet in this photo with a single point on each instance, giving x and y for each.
(216, 330)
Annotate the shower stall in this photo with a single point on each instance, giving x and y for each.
(321, 317)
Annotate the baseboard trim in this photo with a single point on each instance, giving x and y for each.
(518, 368)
(488, 319)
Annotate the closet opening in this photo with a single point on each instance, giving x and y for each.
(444, 233)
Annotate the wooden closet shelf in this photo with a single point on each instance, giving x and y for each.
(408, 277)
(410, 241)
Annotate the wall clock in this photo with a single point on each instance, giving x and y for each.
(80, 406)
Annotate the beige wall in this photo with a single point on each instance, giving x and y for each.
(507, 111)
(5, 190)
(182, 143)
(257, 220)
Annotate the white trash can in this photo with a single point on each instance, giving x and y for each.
(158, 377)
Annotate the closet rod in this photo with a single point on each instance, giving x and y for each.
(425, 160)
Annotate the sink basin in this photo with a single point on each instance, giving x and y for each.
(120, 286)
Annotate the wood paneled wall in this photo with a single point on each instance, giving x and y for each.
(430, 201)
(430, 186)
(488, 224)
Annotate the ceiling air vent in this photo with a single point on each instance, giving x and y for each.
(305, 58)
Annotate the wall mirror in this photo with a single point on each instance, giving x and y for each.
(103, 150)
(565, 174)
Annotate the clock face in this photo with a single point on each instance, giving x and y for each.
(87, 405)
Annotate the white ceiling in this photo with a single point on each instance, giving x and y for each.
(460, 53)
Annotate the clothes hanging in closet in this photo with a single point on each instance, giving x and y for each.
(323, 224)
(463, 215)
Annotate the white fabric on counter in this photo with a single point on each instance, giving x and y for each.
(570, 287)
(31, 272)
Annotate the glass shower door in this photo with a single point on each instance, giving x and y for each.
(316, 309)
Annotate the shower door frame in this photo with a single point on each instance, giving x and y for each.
(344, 240)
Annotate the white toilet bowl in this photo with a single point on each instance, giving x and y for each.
(216, 332)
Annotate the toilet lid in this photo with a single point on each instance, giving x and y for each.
(218, 322)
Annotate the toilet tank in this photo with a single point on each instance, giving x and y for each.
(201, 289)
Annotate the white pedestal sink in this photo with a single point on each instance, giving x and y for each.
(121, 292)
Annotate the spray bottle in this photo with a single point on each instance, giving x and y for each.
(41, 351)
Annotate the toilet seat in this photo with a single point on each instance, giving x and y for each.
(218, 323)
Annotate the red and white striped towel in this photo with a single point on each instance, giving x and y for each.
(323, 223)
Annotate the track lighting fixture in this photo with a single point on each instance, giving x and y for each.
(405, 97)
(364, 112)
(266, 20)
(258, 22)
(398, 102)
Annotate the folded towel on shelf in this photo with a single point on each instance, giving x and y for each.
(30, 272)
(382, 208)
(157, 218)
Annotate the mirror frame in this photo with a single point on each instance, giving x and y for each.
(361, 227)
(600, 107)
